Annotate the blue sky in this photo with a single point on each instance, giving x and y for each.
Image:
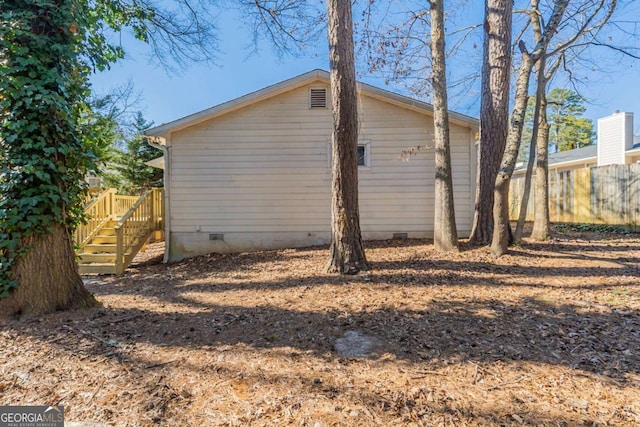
(169, 96)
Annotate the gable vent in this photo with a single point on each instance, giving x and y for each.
(318, 98)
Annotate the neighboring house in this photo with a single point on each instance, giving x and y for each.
(587, 184)
(254, 173)
(615, 140)
(616, 145)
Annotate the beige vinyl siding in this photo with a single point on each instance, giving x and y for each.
(257, 175)
(260, 175)
(397, 195)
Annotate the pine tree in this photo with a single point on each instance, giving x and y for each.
(567, 129)
(128, 171)
(346, 252)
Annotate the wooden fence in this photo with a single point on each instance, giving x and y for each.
(602, 195)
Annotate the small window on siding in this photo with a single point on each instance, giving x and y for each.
(318, 98)
(362, 158)
(364, 155)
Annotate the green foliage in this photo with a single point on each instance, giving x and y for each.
(128, 171)
(568, 130)
(43, 152)
(98, 17)
(594, 228)
(50, 136)
(100, 131)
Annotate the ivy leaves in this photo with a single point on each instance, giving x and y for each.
(47, 50)
(43, 158)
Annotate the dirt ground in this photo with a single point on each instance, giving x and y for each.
(546, 336)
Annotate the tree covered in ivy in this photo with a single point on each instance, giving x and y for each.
(44, 155)
(47, 144)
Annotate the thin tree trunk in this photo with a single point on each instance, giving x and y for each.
(524, 202)
(541, 224)
(502, 236)
(445, 234)
(502, 231)
(494, 112)
(48, 277)
(541, 87)
(346, 255)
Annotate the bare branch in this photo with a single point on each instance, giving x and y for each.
(586, 27)
(287, 24)
(623, 50)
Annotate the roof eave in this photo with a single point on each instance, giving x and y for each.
(415, 105)
(237, 103)
(270, 91)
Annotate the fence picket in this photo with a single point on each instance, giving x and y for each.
(599, 195)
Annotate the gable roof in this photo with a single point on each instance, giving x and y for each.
(294, 83)
(577, 154)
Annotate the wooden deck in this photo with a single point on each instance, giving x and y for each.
(117, 228)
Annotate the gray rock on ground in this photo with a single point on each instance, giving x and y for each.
(356, 344)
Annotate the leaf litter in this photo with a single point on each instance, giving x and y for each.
(548, 335)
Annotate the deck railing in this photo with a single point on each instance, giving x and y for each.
(134, 228)
(98, 212)
(136, 217)
(124, 204)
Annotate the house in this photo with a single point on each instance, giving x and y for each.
(615, 145)
(254, 173)
(592, 184)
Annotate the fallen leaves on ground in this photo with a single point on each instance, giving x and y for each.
(545, 336)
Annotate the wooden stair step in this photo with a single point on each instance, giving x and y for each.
(99, 256)
(88, 258)
(101, 248)
(102, 239)
(97, 268)
(103, 257)
(107, 231)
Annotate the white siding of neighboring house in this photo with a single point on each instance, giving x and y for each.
(261, 176)
(615, 136)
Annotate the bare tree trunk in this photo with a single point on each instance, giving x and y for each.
(524, 202)
(494, 112)
(541, 224)
(541, 87)
(445, 234)
(346, 251)
(48, 278)
(502, 236)
(502, 231)
(589, 25)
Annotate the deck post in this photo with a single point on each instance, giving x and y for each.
(119, 250)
